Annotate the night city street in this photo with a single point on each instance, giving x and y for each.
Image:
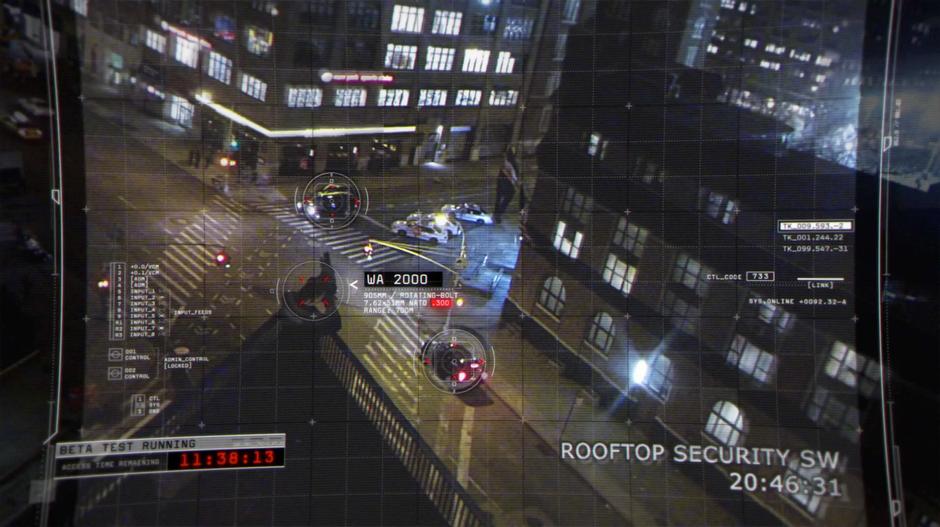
(498, 263)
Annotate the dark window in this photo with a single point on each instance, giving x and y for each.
(363, 14)
(315, 52)
(483, 24)
(320, 12)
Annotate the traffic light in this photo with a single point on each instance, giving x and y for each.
(222, 259)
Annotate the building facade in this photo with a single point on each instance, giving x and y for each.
(355, 84)
(649, 204)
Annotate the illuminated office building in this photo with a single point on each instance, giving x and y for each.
(358, 80)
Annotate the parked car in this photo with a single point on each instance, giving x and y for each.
(415, 229)
(470, 212)
(442, 220)
(18, 123)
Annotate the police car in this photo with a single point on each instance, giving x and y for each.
(470, 212)
(442, 220)
(421, 231)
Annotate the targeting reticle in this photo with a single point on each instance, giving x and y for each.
(331, 201)
(457, 360)
(313, 290)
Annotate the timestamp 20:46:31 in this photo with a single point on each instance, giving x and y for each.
(786, 484)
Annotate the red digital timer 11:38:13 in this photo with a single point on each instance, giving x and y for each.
(225, 459)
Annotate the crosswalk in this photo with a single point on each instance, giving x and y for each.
(347, 242)
(185, 259)
(390, 356)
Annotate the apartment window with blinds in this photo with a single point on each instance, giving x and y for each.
(186, 52)
(775, 316)
(503, 97)
(630, 237)
(254, 87)
(446, 23)
(752, 360)
(505, 63)
(347, 97)
(567, 241)
(407, 19)
(468, 97)
(476, 60)
(393, 97)
(220, 68)
(432, 97)
(660, 377)
(439, 59)
(155, 41)
(400, 57)
(518, 28)
(304, 97)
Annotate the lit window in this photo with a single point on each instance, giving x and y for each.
(155, 41)
(348, 97)
(751, 360)
(750, 42)
(577, 204)
(432, 97)
(570, 12)
(690, 273)
(181, 110)
(594, 144)
(721, 207)
(446, 23)
(560, 46)
(630, 237)
(726, 424)
(220, 68)
(601, 333)
(828, 411)
(80, 6)
(304, 97)
(682, 315)
(552, 82)
(770, 65)
(258, 40)
(407, 19)
(254, 87)
(569, 245)
(400, 57)
(619, 274)
(659, 379)
(518, 28)
(476, 60)
(807, 500)
(505, 62)
(851, 369)
(503, 97)
(727, 4)
(545, 118)
(552, 297)
(439, 59)
(775, 316)
(713, 49)
(393, 97)
(186, 52)
(468, 97)
(823, 61)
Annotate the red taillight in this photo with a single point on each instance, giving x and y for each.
(221, 258)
